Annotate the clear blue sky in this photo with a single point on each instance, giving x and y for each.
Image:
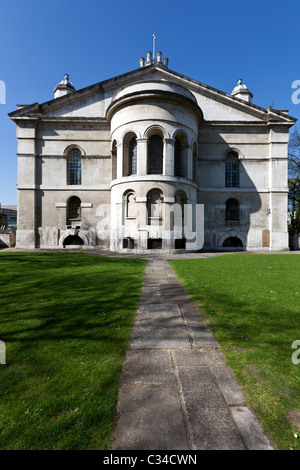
(214, 42)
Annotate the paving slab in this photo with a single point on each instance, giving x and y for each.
(150, 419)
(201, 336)
(149, 336)
(230, 390)
(210, 422)
(250, 428)
(144, 367)
(197, 357)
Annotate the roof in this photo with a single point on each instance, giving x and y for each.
(36, 110)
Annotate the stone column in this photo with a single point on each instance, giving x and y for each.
(168, 241)
(169, 145)
(142, 156)
(189, 153)
(27, 174)
(120, 160)
(141, 219)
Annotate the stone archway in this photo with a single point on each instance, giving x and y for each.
(232, 244)
(70, 236)
(73, 240)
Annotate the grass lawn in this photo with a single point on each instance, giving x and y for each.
(252, 305)
(65, 319)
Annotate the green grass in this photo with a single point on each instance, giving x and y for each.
(252, 305)
(66, 320)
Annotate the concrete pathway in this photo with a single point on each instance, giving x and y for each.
(176, 391)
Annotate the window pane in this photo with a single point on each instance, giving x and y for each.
(155, 155)
(132, 157)
(232, 171)
(232, 213)
(74, 167)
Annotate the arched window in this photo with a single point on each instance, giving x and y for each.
(232, 170)
(130, 205)
(177, 158)
(114, 161)
(73, 210)
(155, 155)
(232, 212)
(130, 155)
(74, 167)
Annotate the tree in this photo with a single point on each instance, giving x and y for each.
(294, 154)
(294, 181)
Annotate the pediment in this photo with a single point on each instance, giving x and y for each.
(92, 101)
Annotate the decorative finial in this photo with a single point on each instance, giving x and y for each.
(67, 76)
(240, 81)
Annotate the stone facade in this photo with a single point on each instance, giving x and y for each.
(114, 165)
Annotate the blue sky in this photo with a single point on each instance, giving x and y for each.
(214, 42)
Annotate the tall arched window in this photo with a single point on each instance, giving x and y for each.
(232, 170)
(155, 155)
(73, 209)
(232, 212)
(74, 167)
(177, 158)
(114, 161)
(129, 205)
(129, 155)
(154, 207)
(132, 157)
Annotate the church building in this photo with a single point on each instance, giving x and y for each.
(152, 160)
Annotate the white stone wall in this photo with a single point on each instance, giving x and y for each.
(157, 101)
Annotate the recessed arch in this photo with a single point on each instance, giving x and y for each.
(71, 147)
(73, 240)
(114, 160)
(234, 243)
(73, 232)
(130, 154)
(180, 153)
(155, 207)
(73, 209)
(155, 154)
(232, 212)
(156, 129)
(129, 205)
(232, 234)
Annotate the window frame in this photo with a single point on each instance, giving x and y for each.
(232, 170)
(74, 169)
(232, 214)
